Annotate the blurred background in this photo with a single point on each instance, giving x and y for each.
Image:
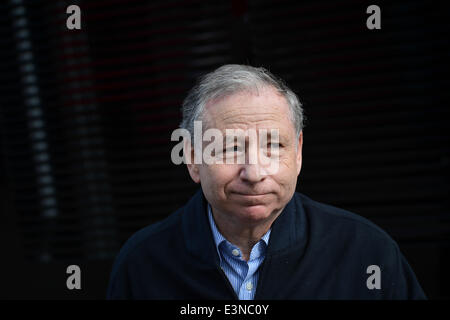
(86, 118)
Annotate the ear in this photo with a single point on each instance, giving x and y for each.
(188, 152)
(299, 153)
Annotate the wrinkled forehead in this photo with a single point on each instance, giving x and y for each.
(265, 109)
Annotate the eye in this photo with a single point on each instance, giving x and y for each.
(232, 149)
(274, 145)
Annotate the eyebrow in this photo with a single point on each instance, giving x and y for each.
(281, 138)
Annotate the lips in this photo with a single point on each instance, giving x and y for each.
(249, 199)
(249, 194)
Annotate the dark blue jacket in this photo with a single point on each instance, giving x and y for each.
(315, 251)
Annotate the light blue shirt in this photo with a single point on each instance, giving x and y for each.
(243, 275)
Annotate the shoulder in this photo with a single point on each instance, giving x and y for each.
(328, 221)
(352, 244)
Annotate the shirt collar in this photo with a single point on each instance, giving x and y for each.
(220, 240)
(289, 232)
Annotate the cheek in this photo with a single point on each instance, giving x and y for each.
(217, 176)
(287, 163)
(287, 173)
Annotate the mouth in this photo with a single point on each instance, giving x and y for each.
(251, 199)
(250, 194)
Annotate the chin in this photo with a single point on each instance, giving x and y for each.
(254, 213)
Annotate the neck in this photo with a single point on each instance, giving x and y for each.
(244, 235)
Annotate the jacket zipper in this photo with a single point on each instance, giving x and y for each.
(262, 272)
(230, 287)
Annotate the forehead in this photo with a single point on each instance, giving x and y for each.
(262, 109)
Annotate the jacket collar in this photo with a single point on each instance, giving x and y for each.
(289, 230)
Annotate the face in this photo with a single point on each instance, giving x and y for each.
(240, 191)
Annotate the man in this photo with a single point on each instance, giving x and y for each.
(246, 234)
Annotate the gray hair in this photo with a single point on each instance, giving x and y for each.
(230, 79)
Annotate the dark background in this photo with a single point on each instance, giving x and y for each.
(86, 117)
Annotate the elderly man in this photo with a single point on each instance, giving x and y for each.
(246, 234)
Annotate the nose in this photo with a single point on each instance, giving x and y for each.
(251, 173)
